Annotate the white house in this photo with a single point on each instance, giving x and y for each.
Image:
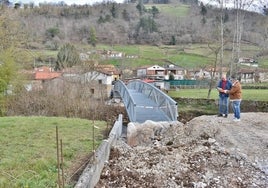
(160, 73)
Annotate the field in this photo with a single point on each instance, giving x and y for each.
(186, 56)
(28, 154)
(195, 109)
(191, 56)
(247, 94)
(175, 10)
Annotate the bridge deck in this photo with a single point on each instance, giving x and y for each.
(146, 108)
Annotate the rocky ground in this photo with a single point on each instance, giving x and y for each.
(208, 151)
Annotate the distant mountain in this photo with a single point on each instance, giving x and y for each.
(249, 5)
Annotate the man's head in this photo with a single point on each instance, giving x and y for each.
(223, 77)
(233, 78)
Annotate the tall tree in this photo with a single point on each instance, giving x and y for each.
(239, 6)
(67, 57)
(10, 40)
(126, 15)
(215, 50)
(222, 39)
(154, 11)
(92, 37)
(141, 8)
(114, 10)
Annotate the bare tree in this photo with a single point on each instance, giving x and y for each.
(222, 39)
(239, 6)
(215, 50)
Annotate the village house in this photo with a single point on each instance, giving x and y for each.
(248, 62)
(253, 75)
(157, 72)
(109, 54)
(261, 75)
(41, 75)
(151, 72)
(177, 72)
(101, 80)
(97, 83)
(247, 75)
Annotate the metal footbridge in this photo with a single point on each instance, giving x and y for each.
(144, 101)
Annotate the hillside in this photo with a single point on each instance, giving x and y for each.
(126, 24)
(180, 32)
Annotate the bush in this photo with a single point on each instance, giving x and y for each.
(45, 103)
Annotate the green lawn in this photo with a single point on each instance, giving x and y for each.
(248, 94)
(178, 10)
(28, 155)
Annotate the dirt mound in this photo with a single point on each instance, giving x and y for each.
(208, 151)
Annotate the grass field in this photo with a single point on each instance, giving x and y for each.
(187, 55)
(177, 10)
(28, 155)
(247, 94)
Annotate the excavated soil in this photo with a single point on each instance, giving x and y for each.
(208, 151)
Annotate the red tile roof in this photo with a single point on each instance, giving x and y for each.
(46, 75)
(148, 80)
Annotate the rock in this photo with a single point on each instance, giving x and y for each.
(205, 152)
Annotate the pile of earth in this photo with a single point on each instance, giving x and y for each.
(208, 151)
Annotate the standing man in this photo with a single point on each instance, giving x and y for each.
(235, 97)
(223, 85)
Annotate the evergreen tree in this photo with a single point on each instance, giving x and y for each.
(114, 10)
(93, 37)
(67, 57)
(203, 10)
(126, 15)
(154, 11)
(148, 25)
(173, 40)
(141, 8)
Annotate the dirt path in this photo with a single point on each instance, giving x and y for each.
(208, 151)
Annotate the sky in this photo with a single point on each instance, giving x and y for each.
(68, 2)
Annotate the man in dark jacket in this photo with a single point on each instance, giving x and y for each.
(223, 85)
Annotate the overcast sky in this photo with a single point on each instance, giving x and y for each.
(69, 2)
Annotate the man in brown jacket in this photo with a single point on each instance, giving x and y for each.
(235, 94)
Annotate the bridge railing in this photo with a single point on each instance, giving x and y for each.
(163, 101)
(129, 103)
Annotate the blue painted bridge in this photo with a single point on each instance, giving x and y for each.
(144, 101)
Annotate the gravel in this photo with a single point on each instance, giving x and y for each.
(208, 151)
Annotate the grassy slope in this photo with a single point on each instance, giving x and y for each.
(177, 9)
(188, 56)
(28, 148)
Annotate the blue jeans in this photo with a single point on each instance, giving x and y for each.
(223, 105)
(236, 109)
